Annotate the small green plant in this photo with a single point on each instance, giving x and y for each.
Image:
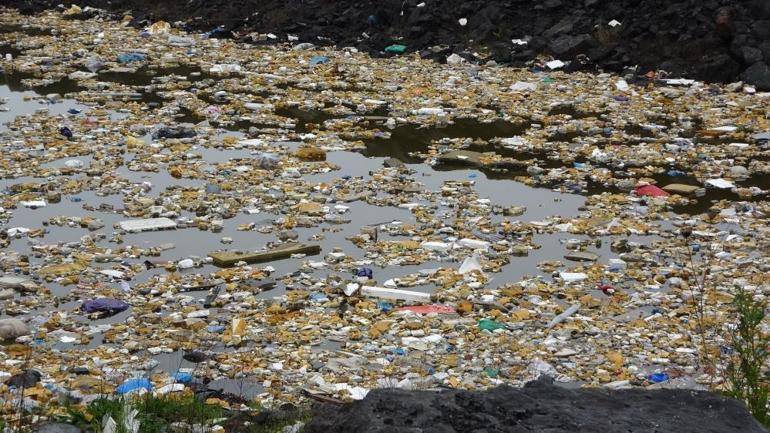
(105, 406)
(279, 426)
(267, 421)
(745, 377)
(163, 410)
(74, 415)
(255, 405)
(700, 271)
(155, 413)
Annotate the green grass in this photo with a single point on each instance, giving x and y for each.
(745, 374)
(105, 406)
(278, 426)
(274, 422)
(155, 413)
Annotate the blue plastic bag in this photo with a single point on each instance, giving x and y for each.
(319, 60)
(132, 385)
(181, 377)
(131, 57)
(319, 297)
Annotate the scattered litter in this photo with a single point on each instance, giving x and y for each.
(319, 223)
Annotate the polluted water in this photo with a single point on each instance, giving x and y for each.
(278, 223)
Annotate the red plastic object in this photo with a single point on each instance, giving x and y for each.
(427, 309)
(651, 190)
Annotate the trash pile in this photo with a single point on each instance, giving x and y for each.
(715, 41)
(288, 222)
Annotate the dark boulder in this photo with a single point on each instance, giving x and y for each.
(765, 48)
(751, 55)
(569, 45)
(721, 67)
(757, 74)
(538, 407)
(761, 29)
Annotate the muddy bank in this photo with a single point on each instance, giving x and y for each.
(538, 407)
(715, 40)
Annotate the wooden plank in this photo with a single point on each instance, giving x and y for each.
(319, 396)
(681, 189)
(230, 258)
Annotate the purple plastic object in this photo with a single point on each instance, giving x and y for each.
(107, 305)
(365, 272)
